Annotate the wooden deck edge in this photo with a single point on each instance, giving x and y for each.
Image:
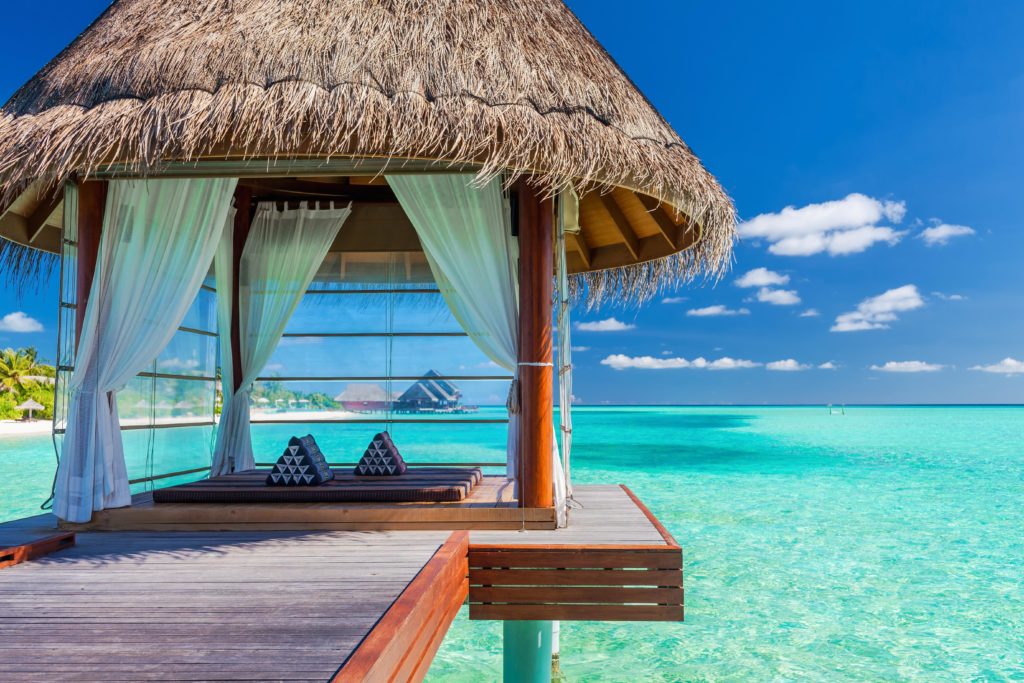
(33, 549)
(404, 641)
(655, 522)
(173, 517)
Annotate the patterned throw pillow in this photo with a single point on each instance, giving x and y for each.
(301, 464)
(381, 458)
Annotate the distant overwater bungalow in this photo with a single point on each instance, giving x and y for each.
(247, 196)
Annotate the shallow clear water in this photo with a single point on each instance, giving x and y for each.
(885, 544)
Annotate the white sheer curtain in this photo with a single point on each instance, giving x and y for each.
(158, 241)
(283, 251)
(467, 238)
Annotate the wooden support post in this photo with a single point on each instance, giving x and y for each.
(92, 202)
(243, 221)
(536, 274)
(526, 651)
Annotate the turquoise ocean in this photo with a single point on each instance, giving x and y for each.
(886, 544)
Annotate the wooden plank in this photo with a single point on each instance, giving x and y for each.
(181, 606)
(602, 595)
(576, 243)
(668, 229)
(47, 205)
(29, 551)
(386, 647)
(421, 653)
(576, 558)
(420, 672)
(576, 577)
(577, 612)
(621, 224)
(669, 539)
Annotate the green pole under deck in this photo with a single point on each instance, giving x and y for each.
(527, 652)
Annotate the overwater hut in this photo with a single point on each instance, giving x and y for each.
(193, 171)
(430, 393)
(364, 398)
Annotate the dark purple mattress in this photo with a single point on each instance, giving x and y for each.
(419, 484)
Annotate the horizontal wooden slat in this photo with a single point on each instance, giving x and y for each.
(577, 612)
(577, 577)
(531, 595)
(578, 558)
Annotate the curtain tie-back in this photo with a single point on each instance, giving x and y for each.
(536, 365)
(513, 401)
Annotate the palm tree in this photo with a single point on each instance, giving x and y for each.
(17, 369)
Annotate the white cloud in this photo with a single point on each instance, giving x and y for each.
(762, 277)
(949, 297)
(674, 299)
(1007, 366)
(828, 365)
(179, 364)
(717, 310)
(844, 226)
(20, 323)
(788, 365)
(607, 325)
(875, 313)
(810, 313)
(940, 234)
(778, 297)
(580, 349)
(620, 361)
(908, 366)
(725, 363)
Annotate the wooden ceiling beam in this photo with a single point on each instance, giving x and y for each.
(575, 241)
(37, 221)
(666, 226)
(621, 224)
(296, 189)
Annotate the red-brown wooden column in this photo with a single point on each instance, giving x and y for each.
(92, 201)
(243, 221)
(536, 272)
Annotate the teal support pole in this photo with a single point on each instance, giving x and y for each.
(527, 652)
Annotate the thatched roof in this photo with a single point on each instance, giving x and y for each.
(500, 85)
(30, 404)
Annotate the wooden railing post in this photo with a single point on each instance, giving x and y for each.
(92, 201)
(536, 272)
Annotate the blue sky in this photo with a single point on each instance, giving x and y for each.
(875, 121)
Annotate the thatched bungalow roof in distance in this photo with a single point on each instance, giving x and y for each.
(488, 85)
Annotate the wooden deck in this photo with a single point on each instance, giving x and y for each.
(200, 606)
(490, 505)
(317, 605)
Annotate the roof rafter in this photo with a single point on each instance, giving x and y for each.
(621, 223)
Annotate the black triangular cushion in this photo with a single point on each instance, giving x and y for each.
(381, 458)
(301, 464)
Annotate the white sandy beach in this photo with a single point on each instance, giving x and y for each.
(19, 428)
